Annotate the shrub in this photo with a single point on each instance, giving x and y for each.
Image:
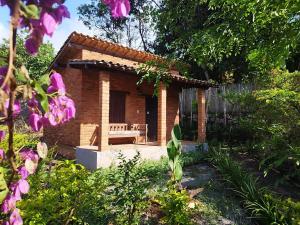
(265, 207)
(128, 194)
(21, 140)
(174, 204)
(56, 192)
(273, 123)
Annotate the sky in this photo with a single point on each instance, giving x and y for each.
(63, 30)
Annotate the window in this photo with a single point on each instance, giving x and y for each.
(117, 107)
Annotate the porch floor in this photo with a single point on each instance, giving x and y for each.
(91, 158)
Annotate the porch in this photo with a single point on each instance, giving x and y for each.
(93, 159)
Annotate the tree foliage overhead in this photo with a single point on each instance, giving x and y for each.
(36, 65)
(133, 31)
(229, 36)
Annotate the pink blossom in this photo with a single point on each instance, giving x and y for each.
(35, 122)
(2, 154)
(23, 172)
(16, 107)
(2, 135)
(15, 191)
(28, 154)
(15, 218)
(56, 84)
(9, 203)
(118, 8)
(23, 186)
(31, 160)
(49, 23)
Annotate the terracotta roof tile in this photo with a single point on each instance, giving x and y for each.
(76, 63)
(113, 49)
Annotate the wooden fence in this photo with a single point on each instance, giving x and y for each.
(218, 108)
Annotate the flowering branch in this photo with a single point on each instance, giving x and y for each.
(46, 99)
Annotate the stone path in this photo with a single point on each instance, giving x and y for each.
(197, 179)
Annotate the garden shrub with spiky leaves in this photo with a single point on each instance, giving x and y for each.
(174, 152)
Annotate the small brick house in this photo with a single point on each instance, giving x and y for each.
(101, 78)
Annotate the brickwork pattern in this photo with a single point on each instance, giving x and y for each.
(68, 133)
(162, 115)
(104, 84)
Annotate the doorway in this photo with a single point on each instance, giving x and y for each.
(151, 117)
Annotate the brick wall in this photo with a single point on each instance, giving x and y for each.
(172, 107)
(68, 133)
(80, 130)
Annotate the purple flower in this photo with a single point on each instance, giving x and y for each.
(23, 172)
(32, 46)
(2, 154)
(15, 191)
(3, 2)
(9, 203)
(15, 218)
(2, 135)
(32, 102)
(57, 84)
(28, 154)
(16, 107)
(31, 160)
(118, 8)
(35, 122)
(3, 70)
(61, 12)
(23, 186)
(49, 23)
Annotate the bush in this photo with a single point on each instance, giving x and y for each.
(128, 194)
(260, 203)
(273, 123)
(56, 192)
(21, 140)
(174, 205)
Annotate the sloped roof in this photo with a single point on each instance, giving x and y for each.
(77, 63)
(108, 48)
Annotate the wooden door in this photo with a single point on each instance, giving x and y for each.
(151, 117)
(117, 107)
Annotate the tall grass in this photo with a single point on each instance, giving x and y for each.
(267, 208)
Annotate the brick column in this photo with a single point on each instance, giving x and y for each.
(162, 115)
(201, 116)
(103, 111)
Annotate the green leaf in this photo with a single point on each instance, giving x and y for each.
(44, 80)
(20, 76)
(42, 95)
(178, 171)
(3, 186)
(176, 135)
(171, 150)
(31, 11)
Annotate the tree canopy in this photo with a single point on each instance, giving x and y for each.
(36, 65)
(134, 31)
(229, 36)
